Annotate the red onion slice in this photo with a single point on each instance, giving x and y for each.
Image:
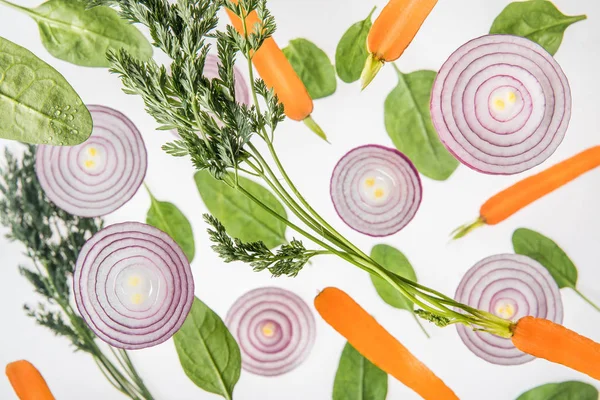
(501, 104)
(98, 176)
(375, 190)
(133, 285)
(274, 328)
(509, 286)
(211, 71)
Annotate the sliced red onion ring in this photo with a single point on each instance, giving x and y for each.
(100, 175)
(274, 328)
(375, 190)
(211, 71)
(510, 286)
(133, 285)
(501, 104)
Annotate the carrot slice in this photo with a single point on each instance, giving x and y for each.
(27, 381)
(370, 339)
(553, 342)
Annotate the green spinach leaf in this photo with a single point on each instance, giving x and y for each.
(351, 52)
(241, 217)
(537, 20)
(169, 219)
(545, 251)
(37, 104)
(312, 66)
(81, 36)
(570, 390)
(409, 125)
(207, 351)
(358, 379)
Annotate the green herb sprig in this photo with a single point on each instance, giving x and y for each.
(52, 240)
(185, 100)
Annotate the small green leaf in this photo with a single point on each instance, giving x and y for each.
(207, 351)
(358, 379)
(351, 52)
(37, 104)
(536, 20)
(545, 251)
(169, 219)
(570, 390)
(394, 261)
(408, 123)
(243, 218)
(81, 36)
(312, 66)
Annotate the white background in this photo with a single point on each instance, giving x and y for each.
(571, 216)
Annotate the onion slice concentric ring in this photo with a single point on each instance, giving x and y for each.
(100, 175)
(375, 190)
(510, 286)
(133, 285)
(501, 104)
(274, 328)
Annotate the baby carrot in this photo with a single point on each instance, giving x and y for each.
(27, 381)
(392, 32)
(525, 192)
(545, 339)
(278, 74)
(377, 345)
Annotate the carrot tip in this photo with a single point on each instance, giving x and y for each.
(313, 126)
(463, 230)
(372, 67)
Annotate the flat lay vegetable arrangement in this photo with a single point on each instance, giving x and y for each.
(500, 105)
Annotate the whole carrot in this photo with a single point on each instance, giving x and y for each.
(525, 192)
(392, 32)
(278, 74)
(376, 344)
(545, 339)
(27, 381)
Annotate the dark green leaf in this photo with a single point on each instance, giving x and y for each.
(394, 261)
(537, 20)
(542, 249)
(207, 352)
(37, 104)
(408, 123)
(351, 52)
(312, 66)
(169, 219)
(243, 218)
(570, 390)
(358, 379)
(82, 36)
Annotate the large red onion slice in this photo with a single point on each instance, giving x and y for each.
(133, 285)
(375, 190)
(274, 328)
(100, 175)
(509, 286)
(501, 104)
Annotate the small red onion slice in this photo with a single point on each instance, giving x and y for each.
(133, 285)
(274, 328)
(375, 190)
(509, 286)
(501, 104)
(98, 176)
(211, 71)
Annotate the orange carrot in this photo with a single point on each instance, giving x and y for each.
(278, 74)
(525, 192)
(553, 342)
(27, 381)
(377, 345)
(392, 32)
